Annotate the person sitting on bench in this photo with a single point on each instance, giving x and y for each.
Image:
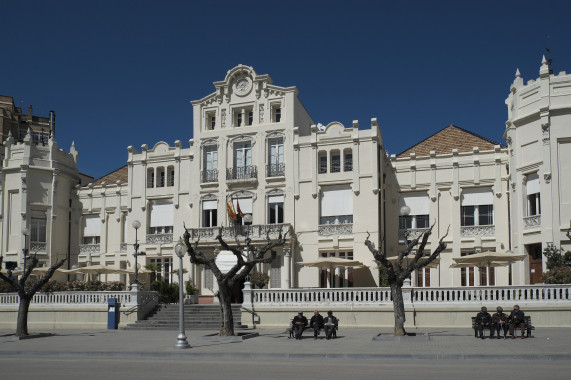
(484, 320)
(500, 322)
(330, 324)
(299, 322)
(517, 320)
(316, 322)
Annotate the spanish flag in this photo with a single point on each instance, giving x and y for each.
(231, 212)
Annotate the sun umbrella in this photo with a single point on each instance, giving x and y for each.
(483, 258)
(331, 263)
(98, 269)
(433, 264)
(487, 259)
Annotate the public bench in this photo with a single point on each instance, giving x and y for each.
(526, 319)
(291, 333)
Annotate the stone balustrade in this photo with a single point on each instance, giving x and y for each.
(74, 299)
(525, 294)
(253, 231)
(533, 221)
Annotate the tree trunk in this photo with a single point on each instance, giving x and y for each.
(22, 326)
(225, 298)
(398, 303)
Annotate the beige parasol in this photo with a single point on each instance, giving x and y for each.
(487, 259)
(332, 263)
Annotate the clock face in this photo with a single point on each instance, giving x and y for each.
(242, 86)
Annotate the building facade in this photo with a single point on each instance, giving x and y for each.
(255, 147)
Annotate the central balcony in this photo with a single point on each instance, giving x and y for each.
(255, 231)
(207, 176)
(242, 175)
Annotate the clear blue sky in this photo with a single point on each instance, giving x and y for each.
(122, 73)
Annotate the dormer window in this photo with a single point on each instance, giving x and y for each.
(212, 122)
(277, 114)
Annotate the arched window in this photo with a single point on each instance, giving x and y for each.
(150, 178)
(170, 176)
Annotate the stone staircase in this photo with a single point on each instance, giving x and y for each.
(196, 317)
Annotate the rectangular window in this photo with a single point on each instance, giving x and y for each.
(533, 188)
(322, 164)
(170, 176)
(210, 172)
(418, 204)
(277, 114)
(162, 180)
(467, 217)
(422, 221)
(276, 209)
(250, 118)
(335, 163)
(38, 230)
(405, 222)
(150, 178)
(276, 157)
(423, 277)
(238, 119)
(348, 162)
(162, 217)
(209, 213)
(336, 205)
(212, 122)
(91, 229)
(485, 215)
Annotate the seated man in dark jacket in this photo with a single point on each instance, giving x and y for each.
(299, 322)
(500, 322)
(329, 324)
(484, 320)
(517, 320)
(316, 322)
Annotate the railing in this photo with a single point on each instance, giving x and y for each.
(525, 294)
(348, 165)
(275, 170)
(335, 229)
(478, 230)
(411, 233)
(321, 296)
(242, 172)
(531, 221)
(335, 165)
(127, 299)
(89, 248)
(253, 231)
(159, 238)
(38, 247)
(209, 175)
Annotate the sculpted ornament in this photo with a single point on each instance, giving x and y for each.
(243, 86)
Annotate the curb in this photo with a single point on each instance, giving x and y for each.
(245, 355)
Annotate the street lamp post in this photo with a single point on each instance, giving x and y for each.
(136, 224)
(181, 341)
(25, 232)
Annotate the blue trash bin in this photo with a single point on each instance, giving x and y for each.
(113, 313)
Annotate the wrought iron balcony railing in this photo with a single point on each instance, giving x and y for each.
(89, 248)
(489, 230)
(159, 238)
(242, 172)
(533, 221)
(275, 170)
(335, 229)
(253, 231)
(209, 176)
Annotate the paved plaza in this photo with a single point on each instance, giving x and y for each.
(150, 354)
(351, 343)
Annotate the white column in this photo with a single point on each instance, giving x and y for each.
(287, 267)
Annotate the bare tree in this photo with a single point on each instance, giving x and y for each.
(237, 273)
(403, 267)
(27, 291)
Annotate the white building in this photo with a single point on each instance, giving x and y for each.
(256, 146)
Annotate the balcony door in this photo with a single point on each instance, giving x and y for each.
(242, 159)
(535, 263)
